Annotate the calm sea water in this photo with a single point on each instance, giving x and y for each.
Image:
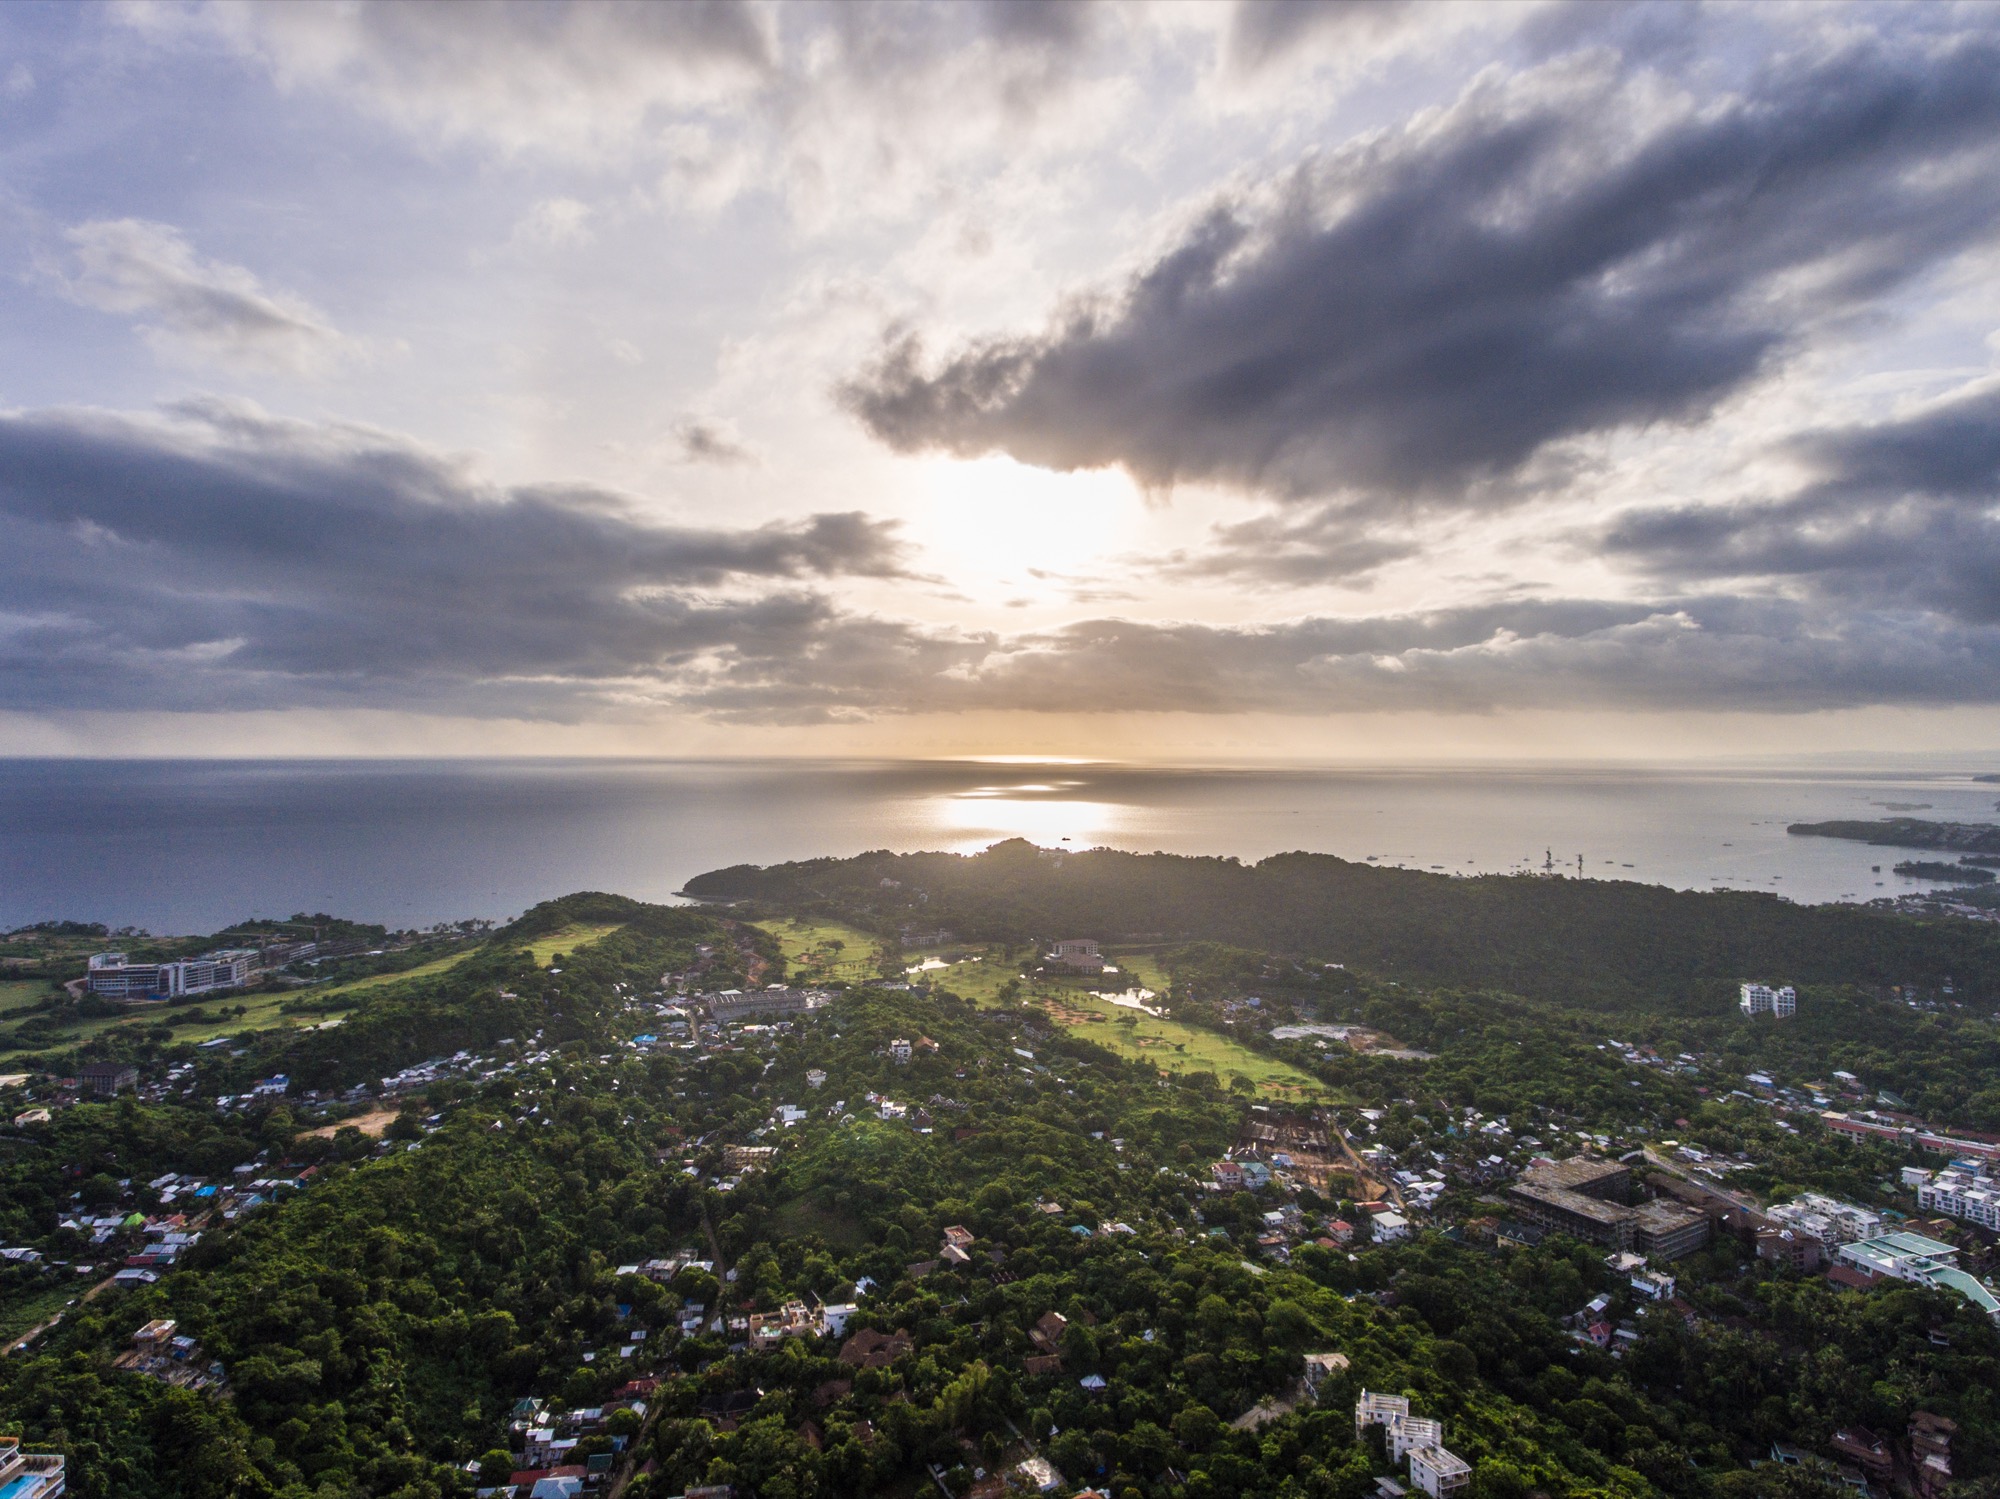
(190, 846)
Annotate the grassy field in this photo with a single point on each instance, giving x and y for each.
(810, 955)
(382, 980)
(979, 976)
(1174, 1047)
(569, 939)
(20, 994)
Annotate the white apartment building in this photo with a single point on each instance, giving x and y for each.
(899, 1051)
(1374, 1409)
(1827, 1219)
(1961, 1193)
(1439, 1473)
(1762, 999)
(1407, 1435)
(113, 975)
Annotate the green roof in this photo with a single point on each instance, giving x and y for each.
(1905, 1244)
(1969, 1288)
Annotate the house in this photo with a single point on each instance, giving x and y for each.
(1651, 1283)
(899, 1051)
(1340, 1231)
(1078, 954)
(815, 1077)
(1867, 1451)
(1039, 1474)
(1391, 1227)
(1320, 1367)
(869, 1349)
(1038, 1364)
(834, 1316)
(958, 1237)
(1930, 1452)
(1047, 1331)
(1791, 1248)
(1228, 1175)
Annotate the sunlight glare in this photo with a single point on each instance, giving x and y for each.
(993, 523)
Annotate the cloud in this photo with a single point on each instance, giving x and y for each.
(1262, 32)
(841, 110)
(223, 558)
(1422, 314)
(190, 308)
(218, 558)
(706, 440)
(531, 78)
(1898, 513)
(1292, 549)
(556, 222)
(1693, 654)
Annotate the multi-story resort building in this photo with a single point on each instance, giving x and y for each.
(1762, 999)
(29, 1475)
(112, 975)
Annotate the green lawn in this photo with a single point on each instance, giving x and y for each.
(807, 943)
(381, 980)
(21, 994)
(1174, 1047)
(577, 934)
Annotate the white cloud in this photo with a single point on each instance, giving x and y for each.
(194, 309)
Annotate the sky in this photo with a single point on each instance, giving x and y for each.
(1123, 379)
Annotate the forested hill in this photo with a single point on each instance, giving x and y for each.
(1606, 940)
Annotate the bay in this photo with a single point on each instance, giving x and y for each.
(190, 846)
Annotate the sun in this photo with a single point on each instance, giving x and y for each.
(999, 529)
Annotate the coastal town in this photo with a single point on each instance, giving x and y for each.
(1334, 1189)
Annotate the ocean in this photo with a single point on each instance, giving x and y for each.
(191, 846)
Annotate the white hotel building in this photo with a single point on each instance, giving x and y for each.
(1762, 999)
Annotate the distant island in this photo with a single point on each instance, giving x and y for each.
(1936, 869)
(1908, 832)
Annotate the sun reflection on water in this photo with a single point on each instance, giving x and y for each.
(1038, 811)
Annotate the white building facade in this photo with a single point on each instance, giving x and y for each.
(1762, 999)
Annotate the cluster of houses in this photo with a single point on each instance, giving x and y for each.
(1862, 1460)
(161, 1351)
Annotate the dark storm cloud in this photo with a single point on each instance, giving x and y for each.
(229, 559)
(1897, 514)
(1421, 314)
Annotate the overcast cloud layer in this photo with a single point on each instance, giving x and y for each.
(804, 364)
